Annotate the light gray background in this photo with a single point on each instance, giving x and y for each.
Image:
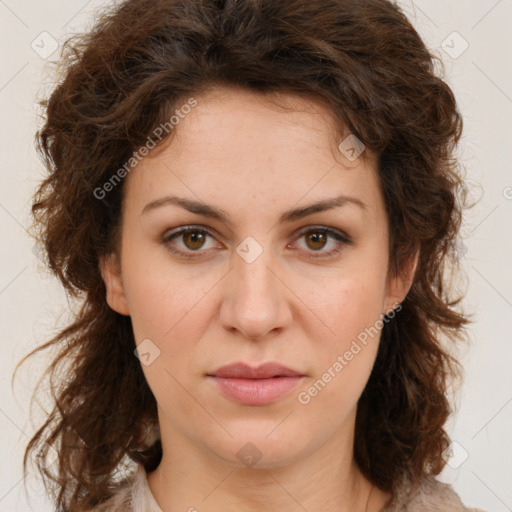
(32, 305)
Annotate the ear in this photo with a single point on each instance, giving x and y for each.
(398, 286)
(111, 273)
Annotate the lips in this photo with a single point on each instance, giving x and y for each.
(264, 371)
(255, 386)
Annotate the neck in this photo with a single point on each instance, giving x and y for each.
(192, 478)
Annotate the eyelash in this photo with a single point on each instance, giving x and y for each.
(339, 236)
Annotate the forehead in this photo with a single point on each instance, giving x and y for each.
(236, 145)
(238, 119)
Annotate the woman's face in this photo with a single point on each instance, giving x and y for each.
(259, 277)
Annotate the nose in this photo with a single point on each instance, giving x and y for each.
(257, 298)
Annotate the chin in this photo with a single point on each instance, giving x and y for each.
(259, 450)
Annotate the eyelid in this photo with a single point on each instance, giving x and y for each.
(175, 233)
(340, 236)
(318, 227)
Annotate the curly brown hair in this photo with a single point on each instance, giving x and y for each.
(120, 80)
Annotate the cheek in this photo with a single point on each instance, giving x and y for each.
(353, 304)
(345, 360)
(170, 312)
(161, 297)
(346, 356)
(165, 309)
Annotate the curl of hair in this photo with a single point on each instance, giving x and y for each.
(361, 58)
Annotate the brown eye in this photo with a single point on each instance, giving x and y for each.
(193, 240)
(316, 240)
(188, 242)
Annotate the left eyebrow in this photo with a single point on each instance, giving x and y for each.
(213, 212)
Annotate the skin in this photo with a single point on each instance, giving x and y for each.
(238, 152)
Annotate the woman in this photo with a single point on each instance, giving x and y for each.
(255, 203)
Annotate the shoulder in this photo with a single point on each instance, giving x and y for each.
(430, 495)
(131, 495)
(121, 501)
